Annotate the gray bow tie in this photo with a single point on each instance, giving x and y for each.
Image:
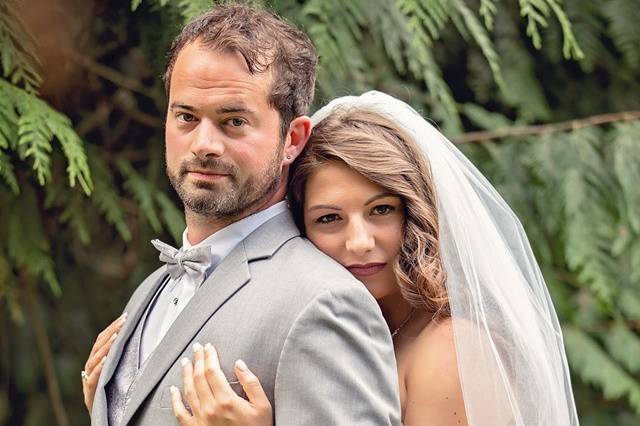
(194, 261)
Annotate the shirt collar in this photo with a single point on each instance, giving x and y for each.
(224, 240)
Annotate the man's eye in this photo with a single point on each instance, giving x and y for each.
(383, 209)
(186, 117)
(328, 218)
(236, 122)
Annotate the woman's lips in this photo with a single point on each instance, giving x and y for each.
(366, 270)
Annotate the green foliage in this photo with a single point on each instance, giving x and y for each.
(76, 219)
(595, 367)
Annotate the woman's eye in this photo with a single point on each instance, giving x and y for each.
(186, 117)
(328, 218)
(383, 209)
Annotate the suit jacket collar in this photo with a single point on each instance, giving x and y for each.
(229, 277)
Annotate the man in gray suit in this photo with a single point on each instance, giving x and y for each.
(240, 82)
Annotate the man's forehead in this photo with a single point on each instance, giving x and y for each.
(200, 70)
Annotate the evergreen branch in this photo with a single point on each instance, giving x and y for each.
(16, 50)
(7, 173)
(481, 37)
(75, 215)
(622, 17)
(173, 217)
(624, 346)
(536, 12)
(487, 11)
(142, 191)
(570, 48)
(114, 76)
(595, 367)
(106, 198)
(626, 166)
(38, 124)
(31, 300)
(27, 245)
(543, 129)
(192, 8)
(135, 4)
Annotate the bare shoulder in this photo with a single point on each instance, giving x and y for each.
(434, 393)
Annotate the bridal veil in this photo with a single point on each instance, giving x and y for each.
(511, 359)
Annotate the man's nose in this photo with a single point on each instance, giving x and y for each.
(208, 141)
(360, 240)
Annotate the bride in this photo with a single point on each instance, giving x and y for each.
(476, 338)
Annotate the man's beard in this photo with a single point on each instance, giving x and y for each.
(218, 201)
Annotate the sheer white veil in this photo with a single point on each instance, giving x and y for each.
(510, 353)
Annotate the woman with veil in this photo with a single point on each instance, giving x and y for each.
(476, 337)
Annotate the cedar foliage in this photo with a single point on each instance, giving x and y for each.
(79, 202)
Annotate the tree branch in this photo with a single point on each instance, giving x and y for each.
(44, 347)
(594, 120)
(113, 76)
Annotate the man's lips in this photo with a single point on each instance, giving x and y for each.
(366, 269)
(206, 174)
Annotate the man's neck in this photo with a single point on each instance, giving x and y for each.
(200, 227)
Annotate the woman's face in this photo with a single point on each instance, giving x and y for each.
(355, 222)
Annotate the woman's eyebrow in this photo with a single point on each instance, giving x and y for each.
(378, 196)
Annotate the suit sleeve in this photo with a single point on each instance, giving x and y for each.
(337, 365)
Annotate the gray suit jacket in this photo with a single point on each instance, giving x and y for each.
(311, 332)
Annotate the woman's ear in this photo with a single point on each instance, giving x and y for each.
(297, 137)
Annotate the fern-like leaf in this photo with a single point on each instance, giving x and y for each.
(142, 191)
(106, 198)
(622, 17)
(7, 173)
(624, 346)
(16, 50)
(172, 216)
(595, 366)
(27, 245)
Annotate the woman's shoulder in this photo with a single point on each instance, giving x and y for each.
(434, 393)
(434, 353)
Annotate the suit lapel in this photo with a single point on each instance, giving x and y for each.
(229, 277)
(135, 312)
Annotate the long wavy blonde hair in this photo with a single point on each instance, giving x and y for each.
(373, 146)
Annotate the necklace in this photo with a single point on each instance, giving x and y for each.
(406, 320)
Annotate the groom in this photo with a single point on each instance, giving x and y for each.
(239, 82)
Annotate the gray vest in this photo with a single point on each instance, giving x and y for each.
(118, 390)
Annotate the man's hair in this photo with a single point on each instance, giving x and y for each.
(267, 43)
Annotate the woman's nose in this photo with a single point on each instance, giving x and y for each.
(360, 240)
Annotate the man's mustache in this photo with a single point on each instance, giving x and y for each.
(207, 165)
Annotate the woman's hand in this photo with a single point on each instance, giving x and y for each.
(212, 400)
(98, 355)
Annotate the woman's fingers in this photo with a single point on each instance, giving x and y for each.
(189, 387)
(251, 385)
(215, 377)
(179, 410)
(89, 385)
(203, 391)
(96, 357)
(112, 328)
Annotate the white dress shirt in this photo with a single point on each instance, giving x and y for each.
(171, 298)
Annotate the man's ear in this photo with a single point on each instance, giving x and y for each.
(297, 137)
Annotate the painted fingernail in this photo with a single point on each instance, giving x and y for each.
(241, 365)
(184, 362)
(104, 358)
(173, 389)
(208, 347)
(114, 336)
(197, 347)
